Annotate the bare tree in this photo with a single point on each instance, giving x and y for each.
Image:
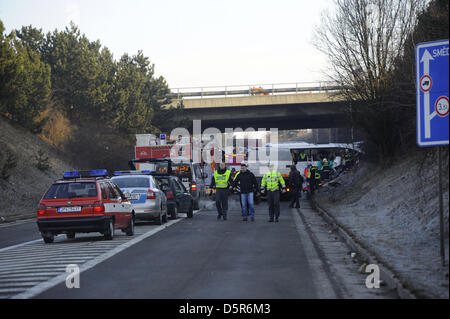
(364, 39)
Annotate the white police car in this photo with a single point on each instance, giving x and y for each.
(148, 201)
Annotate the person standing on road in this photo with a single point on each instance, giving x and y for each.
(270, 184)
(247, 182)
(296, 182)
(238, 190)
(313, 181)
(221, 181)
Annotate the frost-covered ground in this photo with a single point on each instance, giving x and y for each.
(394, 212)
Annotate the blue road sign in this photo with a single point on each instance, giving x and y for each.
(432, 75)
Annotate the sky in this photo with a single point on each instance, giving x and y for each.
(193, 43)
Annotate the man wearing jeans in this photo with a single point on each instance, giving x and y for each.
(247, 182)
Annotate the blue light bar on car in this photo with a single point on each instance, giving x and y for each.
(91, 173)
(99, 172)
(71, 174)
(137, 172)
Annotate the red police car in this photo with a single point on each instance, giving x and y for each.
(83, 202)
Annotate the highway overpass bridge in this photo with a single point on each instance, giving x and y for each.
(266, 106)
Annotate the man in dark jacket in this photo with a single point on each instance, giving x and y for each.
(296, 182)
(247, 182)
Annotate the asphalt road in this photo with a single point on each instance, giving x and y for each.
(19, 232)
(205, 258)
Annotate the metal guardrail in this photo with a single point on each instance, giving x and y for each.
(254, 90)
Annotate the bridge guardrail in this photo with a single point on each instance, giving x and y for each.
(254, 90)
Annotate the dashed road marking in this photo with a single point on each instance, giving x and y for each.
(30, 268)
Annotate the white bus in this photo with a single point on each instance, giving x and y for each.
(316, 152)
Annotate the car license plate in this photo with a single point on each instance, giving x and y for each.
(135, 196)
(70, 209)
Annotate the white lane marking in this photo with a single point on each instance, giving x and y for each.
(43, 286)
(52, 269)
(45, 257)
(20, 245)
(22, 278)
(54, 261)
(24, 285)
(10, 290)
(34, 253)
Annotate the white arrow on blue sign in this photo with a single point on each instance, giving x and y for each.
(432, 76)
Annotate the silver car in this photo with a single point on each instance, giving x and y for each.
(148, 201)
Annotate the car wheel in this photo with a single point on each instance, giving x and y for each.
(164, 218)
(174, 213)
(190, 212)
(48, 239)
(159, 219)
(70, 235)
(129, 231)
(196, 204)
(109, 234)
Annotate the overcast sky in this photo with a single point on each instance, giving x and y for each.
(193, 43)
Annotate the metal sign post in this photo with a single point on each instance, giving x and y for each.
(432, 77)
(441, 207)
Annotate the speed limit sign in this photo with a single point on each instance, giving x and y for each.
(441, 106)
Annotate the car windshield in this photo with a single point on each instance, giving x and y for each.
(72, 190)
(132, 181)
(163, 182)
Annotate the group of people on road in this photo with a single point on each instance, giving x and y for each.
(272, 184)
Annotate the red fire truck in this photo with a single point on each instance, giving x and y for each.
(185, 165)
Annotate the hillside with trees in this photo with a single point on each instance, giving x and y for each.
(77, 97)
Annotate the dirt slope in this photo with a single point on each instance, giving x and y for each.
(24, 188)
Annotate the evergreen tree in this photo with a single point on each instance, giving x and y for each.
(24, 82)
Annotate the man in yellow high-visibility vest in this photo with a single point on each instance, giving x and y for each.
(270, 184)
(221, 181)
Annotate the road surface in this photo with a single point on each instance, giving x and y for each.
(186, 258)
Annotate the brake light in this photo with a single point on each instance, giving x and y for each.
(41, 210)
(193, 186)
(151, 194)
(169, 194)
(99, 207)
